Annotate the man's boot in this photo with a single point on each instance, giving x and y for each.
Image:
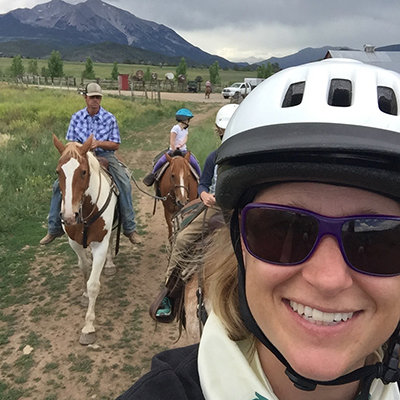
(51, 237)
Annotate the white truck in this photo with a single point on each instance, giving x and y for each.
(253, 81)
(238, 88)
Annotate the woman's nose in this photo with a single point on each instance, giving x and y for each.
(326, 269)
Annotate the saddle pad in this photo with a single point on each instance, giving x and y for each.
(161, 171)
(194, 172)
(185, 216)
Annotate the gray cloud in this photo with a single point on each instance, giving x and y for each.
(238, 30)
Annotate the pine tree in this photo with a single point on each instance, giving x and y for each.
(88, 73)
(17, 69)
(181, 69)
(214, 73)
(55, 65)
(114, 72)
(33, 67)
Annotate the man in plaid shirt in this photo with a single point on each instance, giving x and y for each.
(94, 119)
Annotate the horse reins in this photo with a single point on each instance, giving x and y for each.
(202, 314)
(81, 203)
(86, 223)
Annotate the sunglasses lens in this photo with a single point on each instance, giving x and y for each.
(372, 245)
(278, 236)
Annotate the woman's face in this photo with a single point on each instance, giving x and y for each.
(324, 283)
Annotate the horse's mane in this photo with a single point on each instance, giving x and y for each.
(72, 150)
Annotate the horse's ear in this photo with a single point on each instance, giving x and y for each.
(86, 146)
(58, 145)
(187, 156)
(169, 158)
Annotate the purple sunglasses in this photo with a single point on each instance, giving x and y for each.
(284, 235)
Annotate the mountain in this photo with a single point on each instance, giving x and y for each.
(391, 47)
(303, 56)
(105, 52)
(95, 21)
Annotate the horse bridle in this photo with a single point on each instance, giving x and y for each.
(171, 193)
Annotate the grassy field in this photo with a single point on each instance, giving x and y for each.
(103, 70)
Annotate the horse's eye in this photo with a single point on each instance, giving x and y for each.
(83, 173)
(172, 175)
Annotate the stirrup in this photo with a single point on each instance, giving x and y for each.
(165, 308)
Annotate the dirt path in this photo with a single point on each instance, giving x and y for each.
(56, 366)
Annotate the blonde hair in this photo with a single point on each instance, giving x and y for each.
(221, 278)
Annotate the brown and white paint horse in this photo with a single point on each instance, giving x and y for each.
(87, 211)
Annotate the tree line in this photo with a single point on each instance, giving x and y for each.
(55, 69)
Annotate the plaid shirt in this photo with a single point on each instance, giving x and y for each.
(103, 125)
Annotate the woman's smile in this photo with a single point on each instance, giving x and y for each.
(318, 317)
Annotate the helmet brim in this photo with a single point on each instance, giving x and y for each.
(340, 156)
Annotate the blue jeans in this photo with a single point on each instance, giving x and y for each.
(125, 198)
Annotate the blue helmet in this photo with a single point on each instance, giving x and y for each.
(183, 114)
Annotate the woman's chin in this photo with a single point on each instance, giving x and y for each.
(319, 371)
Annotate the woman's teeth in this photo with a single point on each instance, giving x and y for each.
(318, 317)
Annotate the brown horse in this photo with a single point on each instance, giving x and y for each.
(87, 211)
(178, 185)
(207, 92)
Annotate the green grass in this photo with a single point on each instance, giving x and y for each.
(81, 363)
(103, 70)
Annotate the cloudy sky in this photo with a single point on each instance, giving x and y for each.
(240, 30)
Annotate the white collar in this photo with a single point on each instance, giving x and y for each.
(230, 370)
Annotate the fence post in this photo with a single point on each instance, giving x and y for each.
(132, 94)
(158, 91)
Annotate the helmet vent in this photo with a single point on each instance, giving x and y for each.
(294, 95)
(340, 93)
(387, 100)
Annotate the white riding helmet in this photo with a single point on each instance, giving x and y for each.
(333, 121)
(224, 115)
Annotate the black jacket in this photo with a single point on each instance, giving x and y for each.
(173, 376)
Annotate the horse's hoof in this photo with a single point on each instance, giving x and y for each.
(87, 338)
(84, 301)
(110, 271)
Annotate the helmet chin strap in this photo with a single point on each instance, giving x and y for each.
(388, 370)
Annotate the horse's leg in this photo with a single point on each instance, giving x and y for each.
(84, 265)
(99, 252)
(109, 267)
(190, 301)
(168, 217)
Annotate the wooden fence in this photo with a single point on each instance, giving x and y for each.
(165, 85)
